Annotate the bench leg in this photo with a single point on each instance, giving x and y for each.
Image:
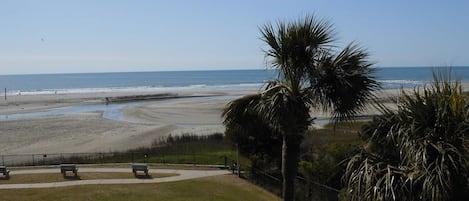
(6, 174)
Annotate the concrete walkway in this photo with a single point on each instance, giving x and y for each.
(183, 175)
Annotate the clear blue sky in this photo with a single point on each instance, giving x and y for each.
(44, 36)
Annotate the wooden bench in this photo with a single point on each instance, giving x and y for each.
(64, 168)
(5, 171)
(140, 167)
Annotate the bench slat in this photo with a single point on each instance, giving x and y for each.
(64, 168)
(140, 167)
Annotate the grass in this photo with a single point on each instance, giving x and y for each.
(211, 149)
(219, 188)
(343, 133)
(124, 165)
(56, 177)
(184, 149)
(150, 166)
(193, 156)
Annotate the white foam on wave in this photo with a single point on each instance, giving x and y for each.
(156, 89)
(402, 81)
(386, 84)
(396, 84)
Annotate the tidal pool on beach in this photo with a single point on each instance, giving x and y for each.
(113, 111)
(109, 111)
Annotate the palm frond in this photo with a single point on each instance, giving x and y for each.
(424, 140)
(236, 111)
(344, 82)
(293, 47)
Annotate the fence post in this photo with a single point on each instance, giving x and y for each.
(237, 161)
(226, 161)
(193, 158)
(33, 158)
(3, 160)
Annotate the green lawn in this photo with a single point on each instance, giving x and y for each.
(219, 188)
(57, 177)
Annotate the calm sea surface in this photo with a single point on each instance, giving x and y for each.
(393, 77)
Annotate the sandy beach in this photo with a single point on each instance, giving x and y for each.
(138, 125)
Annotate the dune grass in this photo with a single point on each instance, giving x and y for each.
(342, 133)
(57, 177)
(185, 149)
(220, 188)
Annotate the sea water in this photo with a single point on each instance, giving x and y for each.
(169, 81)
(410, 77)
(174, 81)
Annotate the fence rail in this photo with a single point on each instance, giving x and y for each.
(305, 189)
(113, 157)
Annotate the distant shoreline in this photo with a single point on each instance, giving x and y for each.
(212, 70)
(188, 81)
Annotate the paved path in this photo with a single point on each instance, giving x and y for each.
(183, 175)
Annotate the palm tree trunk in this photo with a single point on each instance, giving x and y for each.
(290, 157)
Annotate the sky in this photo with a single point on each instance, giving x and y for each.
(75, 36)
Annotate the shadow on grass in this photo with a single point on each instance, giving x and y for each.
(142, 176)
(71, 177)
(6, 178)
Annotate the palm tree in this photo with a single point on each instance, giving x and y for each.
(417, 152)
(311, 74)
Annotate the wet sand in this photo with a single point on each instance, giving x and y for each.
(145, 123)
(89, 132)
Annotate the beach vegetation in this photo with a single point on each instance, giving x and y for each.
(187, 148)
(312, 74)
(417, 152)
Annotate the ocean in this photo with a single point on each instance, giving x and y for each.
(174, 81)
